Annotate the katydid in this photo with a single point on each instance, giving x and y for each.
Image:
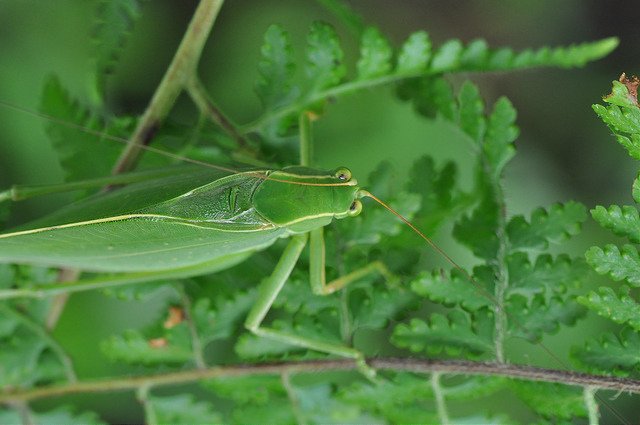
(196, 221)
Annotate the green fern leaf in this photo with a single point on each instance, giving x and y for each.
(430, 96)
(622, 115)
(547, 276)
(80, 154)
(635, 191)
(623, 120)
(252, 346)
(319, 406)
(554, 224)
(141, 291)
(26, 360)
(617, 354)
(453, 334)
(224, 318)
(620, 96)
(324, 57)
(531, 320)
(478, 231)
(414, 54)
(471, 112)
(551, 400)
(114, 21)
(447, 57)
(436, 187)
(617, 264)
(260, 399)
(501, 133)
(277, 412)
(181, 409)
(399, 390)
(623, 221)
(400, 399)
(455, 288)
(134, 347)
(296, 296)
(474, 387)
(477, 56)
(259, 389)
(60, 415)
(375, 309)
(277, 67)
(619, 307)
(375, 55)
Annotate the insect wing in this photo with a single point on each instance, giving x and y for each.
(123, 232)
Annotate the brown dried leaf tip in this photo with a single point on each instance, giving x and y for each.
(176, 316)
(158, 343)
(632, 87)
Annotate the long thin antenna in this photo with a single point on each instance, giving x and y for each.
(106, 136)
(123, 140)
(433, 245)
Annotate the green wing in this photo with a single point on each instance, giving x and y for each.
(151, 226)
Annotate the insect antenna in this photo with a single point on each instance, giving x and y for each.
(112, 138)
(432, 244)
(162, 152)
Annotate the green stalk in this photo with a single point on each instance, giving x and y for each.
(180, 72)
(441, 405)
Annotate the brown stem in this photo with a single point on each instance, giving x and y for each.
(395, 364)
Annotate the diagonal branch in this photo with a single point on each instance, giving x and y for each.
(180, 71)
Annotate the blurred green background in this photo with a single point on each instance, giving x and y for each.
(564, 151)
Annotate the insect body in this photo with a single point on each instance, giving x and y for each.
(200, 222)
(199, 217)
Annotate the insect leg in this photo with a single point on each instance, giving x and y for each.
(319, 284)
(267, 294)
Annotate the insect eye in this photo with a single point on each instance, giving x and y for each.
(343, 174)
(355, 208)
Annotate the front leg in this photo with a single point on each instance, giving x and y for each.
(267, 294)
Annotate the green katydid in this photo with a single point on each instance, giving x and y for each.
(196, 221)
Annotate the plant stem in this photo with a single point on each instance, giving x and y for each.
(26, 418)
(142, 395)
(59, 302)
(293, 398)
(207, 107)
(306, 141)
(196, 343)
(441, 405)
(342, 89)
(502, 277)
(180, 71)
(589, 393)
(315, 366)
